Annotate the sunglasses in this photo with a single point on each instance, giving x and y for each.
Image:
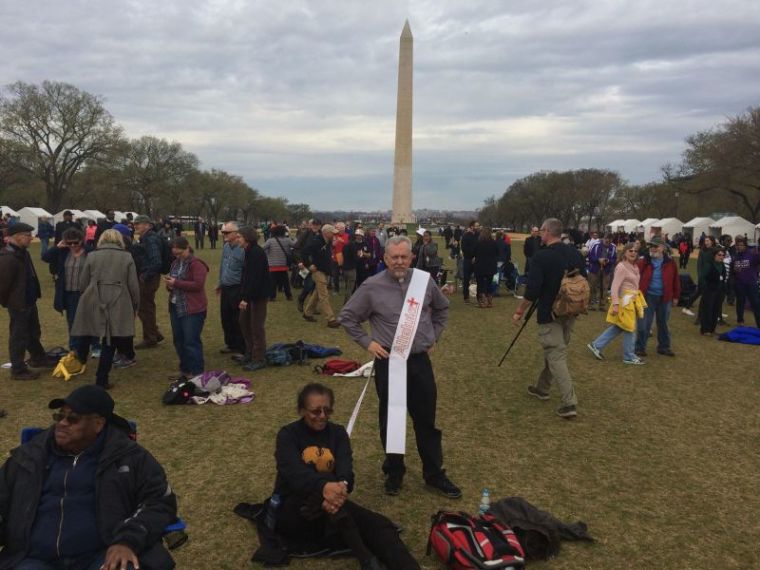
(72, 417)
(316, 412)
(73, 242)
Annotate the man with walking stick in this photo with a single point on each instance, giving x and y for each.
(548, 267)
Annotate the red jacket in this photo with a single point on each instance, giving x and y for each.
(671, 282)
(194, 286)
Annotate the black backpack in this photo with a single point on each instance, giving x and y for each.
(179, 393)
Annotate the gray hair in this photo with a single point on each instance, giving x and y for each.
(552, 226)
(398, 240)
(233, 225)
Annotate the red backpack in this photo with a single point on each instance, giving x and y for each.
(337, 366)
(464, 542)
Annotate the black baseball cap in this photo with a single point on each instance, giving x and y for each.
(89, 399)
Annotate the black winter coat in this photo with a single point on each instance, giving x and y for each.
(255, 283)
(134, 500)
(486, 256)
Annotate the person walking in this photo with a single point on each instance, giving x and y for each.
(186, 284)
(547, 269)
(318, 259)
(67, 260)
(353, 254)
(626, 308)
(304, 244)
(601, 259)
(150, 279)
(45, 232)
(661, 286)
(713, 277)
(427, 257)
(255, 291)
(19, 291)
(228, 289)
(279, 251)
(485, 260)
(108, 304)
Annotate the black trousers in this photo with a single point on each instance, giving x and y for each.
(710, 308)
(124, 344)
(280, 282)
(308, 287)
(421, 398)
(230, 310)
(467, 274)
(24, 335)
(362, 530)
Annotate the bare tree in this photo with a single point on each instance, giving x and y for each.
(52, 130)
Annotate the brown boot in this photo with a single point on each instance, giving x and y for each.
(489, 301)
(481, 302)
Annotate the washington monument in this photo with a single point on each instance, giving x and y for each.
(402, 162)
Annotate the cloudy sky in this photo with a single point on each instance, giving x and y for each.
(299, 97)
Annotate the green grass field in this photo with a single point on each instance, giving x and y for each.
(662, 462)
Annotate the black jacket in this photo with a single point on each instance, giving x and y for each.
(133, 498)
(61, 227)
(151, 260)
(531, 246)
(486, 255)
(19, 288)
(547, 268)
(468, 243)
(319, 253)
(255, 283)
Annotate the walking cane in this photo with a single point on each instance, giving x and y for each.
(525, 322)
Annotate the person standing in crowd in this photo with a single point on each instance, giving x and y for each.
(428, 258)
(314, 480)
(661, 287)
(89, 234)
(255, 291)
(485, 260)
(45, 232)
(626, 306)
(110, 298)
(601, 260)
(309, 241)
(726, 241)
(103, 225)
(186, 284)
(318, 258)
(468, 242)
(745, 271)
(592, 240)
(279, 250)
(381, 301)
(150, 279)
(353, 254)
(340, 239)
(66, 223)
(19, 291)
(548, 267)
(706, 246)
(363, 255)
(531, 246)
(213, 235)
(199, 229)
(67, 260)
(448, 235)
(382, 235)
(375, 251)
(713, 277)
(166, 232)
(504, 256)
(684, 252)
(228, 289)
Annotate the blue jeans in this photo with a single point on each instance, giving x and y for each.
(629, 341)
(658, 310)
(746, 293)
(44, 245)
(186, 332)
(70, 304)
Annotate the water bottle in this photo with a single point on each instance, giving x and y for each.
(485, 502)
(274, 505)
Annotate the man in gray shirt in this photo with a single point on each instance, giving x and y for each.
(380, 301)
(228, 289)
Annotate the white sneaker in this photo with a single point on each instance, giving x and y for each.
(724, 315)
(634, 362)
(595, 351)
(687, 311)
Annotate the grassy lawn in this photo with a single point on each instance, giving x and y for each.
(661, 463)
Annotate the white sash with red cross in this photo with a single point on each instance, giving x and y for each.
(400, 350)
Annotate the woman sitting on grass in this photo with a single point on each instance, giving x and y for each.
(314, 479)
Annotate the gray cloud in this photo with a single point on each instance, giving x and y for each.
(299, 97)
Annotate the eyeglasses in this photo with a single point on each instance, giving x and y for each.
(316, 412)
(72, 417)
(73, 242)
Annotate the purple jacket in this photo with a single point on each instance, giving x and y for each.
(745, 267)
(598, 251)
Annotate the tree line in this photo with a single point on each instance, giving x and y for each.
(60, 147)
(719, 172)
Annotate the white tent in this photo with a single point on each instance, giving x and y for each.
(94, 215)
(670, 226)
(695, 227)
(119, 215)
(646, 226)
(9, 210)
(631, 225)
(616, 226)
(733, 226)
(77, 214)
(757, 233)
(32, 216)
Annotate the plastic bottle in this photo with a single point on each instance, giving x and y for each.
(485, 502)
(272, 508)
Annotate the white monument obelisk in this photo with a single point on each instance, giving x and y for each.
(402, 162)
